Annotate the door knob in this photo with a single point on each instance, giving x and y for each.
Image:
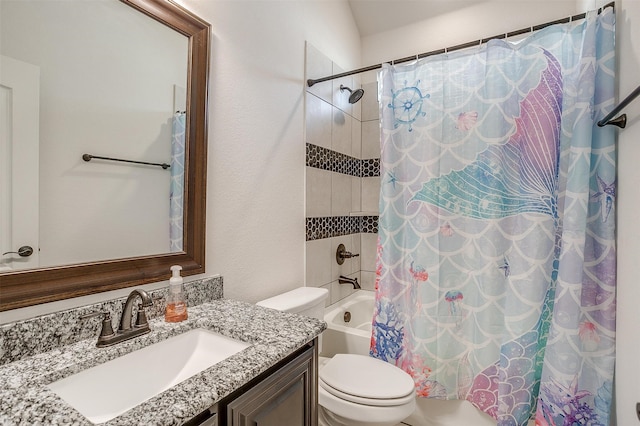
(24, 251)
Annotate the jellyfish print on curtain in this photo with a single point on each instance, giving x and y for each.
(496, 258)
(177, 183)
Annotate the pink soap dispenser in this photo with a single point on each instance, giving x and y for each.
(176, 310)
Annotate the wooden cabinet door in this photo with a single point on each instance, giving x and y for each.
(288, 397)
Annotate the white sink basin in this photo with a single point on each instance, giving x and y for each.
(107, 390)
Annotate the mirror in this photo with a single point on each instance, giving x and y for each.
(88, 100)
(19, 288)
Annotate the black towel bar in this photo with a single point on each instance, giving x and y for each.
(88, 157)
(622, 120)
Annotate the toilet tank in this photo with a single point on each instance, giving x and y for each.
(307, 301)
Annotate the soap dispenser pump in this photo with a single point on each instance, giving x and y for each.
(176, 310)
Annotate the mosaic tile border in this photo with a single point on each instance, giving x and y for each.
(333, 161)
(369, 224)
(370, 168)
(334, 226)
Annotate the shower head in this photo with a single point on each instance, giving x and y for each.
(355, 94)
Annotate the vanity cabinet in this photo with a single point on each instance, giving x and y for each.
(285, 395)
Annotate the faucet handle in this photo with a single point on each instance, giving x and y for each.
(107, 328)
(141, 318)
(342, 254)
(92, 315)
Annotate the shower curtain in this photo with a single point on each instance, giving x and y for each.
(496, 257)
(177, 182)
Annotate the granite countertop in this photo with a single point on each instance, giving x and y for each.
(273, 335)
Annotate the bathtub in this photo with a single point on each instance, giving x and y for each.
(354, 336)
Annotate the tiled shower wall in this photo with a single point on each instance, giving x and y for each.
(342, 178)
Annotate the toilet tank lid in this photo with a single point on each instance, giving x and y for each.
(296, 300)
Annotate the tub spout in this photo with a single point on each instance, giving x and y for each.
(352, 281)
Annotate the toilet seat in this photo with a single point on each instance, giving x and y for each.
(366, 401)
(350, 377)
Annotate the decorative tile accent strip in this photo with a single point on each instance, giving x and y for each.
(327, 227)
(370, 168)
(369, 224)
(318, 157)
(335, 226)
(44, 333)
(346, 164)
(327, 159)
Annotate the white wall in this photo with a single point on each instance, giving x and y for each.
(256, 187)
(466, 24)
(255, 214)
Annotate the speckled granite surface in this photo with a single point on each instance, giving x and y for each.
(273, 335)
(44, 333)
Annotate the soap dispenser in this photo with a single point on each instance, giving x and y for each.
(176, 310)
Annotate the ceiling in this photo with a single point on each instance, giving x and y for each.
(375, 16)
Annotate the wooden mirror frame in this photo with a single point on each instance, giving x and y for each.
(34, 286)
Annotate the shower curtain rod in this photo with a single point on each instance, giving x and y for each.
(311, 82)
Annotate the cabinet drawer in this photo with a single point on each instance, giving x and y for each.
(286, 397)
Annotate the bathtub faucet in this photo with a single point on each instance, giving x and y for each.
(342, 254)
(352, 281)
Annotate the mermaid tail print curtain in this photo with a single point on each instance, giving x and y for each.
(496, 257)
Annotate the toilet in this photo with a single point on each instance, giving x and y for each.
(353, 390)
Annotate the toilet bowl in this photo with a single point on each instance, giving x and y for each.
(357, 390)
(353, 390)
